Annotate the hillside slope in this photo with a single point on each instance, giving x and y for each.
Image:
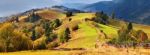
(86, 37)
(132, 10)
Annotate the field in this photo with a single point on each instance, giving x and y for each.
(145, 28)
(86, 37)
(100, 51)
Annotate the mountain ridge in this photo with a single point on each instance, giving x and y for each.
(134, 11)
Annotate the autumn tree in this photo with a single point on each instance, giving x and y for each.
(13, 39)
(6, 32)
(141, 36)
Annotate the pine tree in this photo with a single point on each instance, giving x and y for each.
(34, 17)
(47, 29)
(33, 37)
(67, 34)
(68, 14)
(113, 15)
(130, 27)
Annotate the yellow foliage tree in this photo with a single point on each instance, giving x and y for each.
(6, 34)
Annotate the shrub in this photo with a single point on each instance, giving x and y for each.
(141, 36)
(33, 37)
(68, 14)
(6, 33)
(33, 17)
(128, 36)
(39, 31)
(50, 38)
(125, 37)
(40, 43)
(101, 18)
(70, 19)
(13, 40)
(2, 47)
(75, 27)
(52, 45)
(21, 41)
(55, 23)
(46, 26)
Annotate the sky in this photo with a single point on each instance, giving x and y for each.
(9, 7)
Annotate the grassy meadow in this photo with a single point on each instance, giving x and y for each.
(86, 37)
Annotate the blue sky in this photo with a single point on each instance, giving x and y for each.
(8, 7)
(80, 1)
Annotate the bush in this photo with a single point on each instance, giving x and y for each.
(2, 47)
(128, 36)
(141, 36)
(101, 18)
(20, 42)
(13, 40)
(69, 14)
(40, 43)
(6, 33)
(55, 23)
(39, 31)
(74, 27)
(51, 37)
(46, 26)
(33, 37)
(33, 17)
(52, 45)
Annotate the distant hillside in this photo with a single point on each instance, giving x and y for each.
(48, 13)
(65, 9)
(2, 19)
(63, 30)
(131, 10)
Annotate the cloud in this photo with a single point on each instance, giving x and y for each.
(58, 0)
(8, 7)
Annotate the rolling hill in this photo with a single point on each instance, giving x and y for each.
(86, 36)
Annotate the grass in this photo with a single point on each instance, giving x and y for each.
(51, 14)
(81, 16)
(145, 28)
(100, 51)
(41, 52)
(84, 37)
(111, 32)
(86, 34)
